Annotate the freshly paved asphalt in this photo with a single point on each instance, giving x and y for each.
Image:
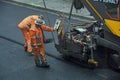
(15, 64)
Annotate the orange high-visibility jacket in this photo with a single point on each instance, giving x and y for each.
(37, 35)
(26, 23)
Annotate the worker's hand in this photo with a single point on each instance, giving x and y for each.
(54, 29)
(29, 49)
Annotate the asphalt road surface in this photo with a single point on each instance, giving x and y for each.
(15, 64)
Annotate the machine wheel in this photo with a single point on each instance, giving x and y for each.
(114, 61)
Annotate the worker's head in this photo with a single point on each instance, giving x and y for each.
(39, 22)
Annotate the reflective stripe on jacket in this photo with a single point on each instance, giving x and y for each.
(37, 35)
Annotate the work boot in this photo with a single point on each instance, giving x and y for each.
(25, 48)
(45, 64)
(37, 63)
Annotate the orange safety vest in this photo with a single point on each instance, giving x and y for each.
(36, 34)
(26, 23)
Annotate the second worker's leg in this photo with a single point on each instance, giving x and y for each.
(36, 58)
(43, 60)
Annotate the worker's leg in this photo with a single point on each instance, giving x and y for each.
(27, 39)
(36, 57)
(43, 57)
(42, 53)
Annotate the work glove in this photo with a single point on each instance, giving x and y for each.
(54, 29)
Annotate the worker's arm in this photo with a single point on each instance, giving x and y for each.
(48, 28)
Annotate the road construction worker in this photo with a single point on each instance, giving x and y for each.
(25, 25)
(37, 42)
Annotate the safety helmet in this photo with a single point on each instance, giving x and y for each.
(39, 22)
(41, 17)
